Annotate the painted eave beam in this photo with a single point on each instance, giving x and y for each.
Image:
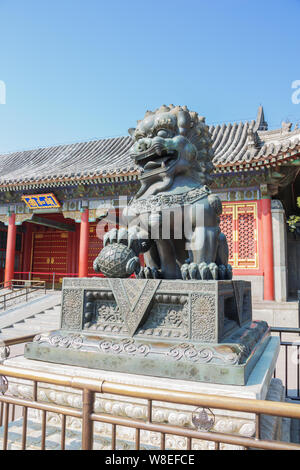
(51, 223)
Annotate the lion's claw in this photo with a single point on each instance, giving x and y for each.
(205, 271)
(148, 273)
(134, 238)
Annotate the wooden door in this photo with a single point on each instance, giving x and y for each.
(41, 255)
(49, 254)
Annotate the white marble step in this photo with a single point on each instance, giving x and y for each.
(39, 316)
(41, 322)
(31, 309)
(33, 326)
(12, 333)
(34, 322)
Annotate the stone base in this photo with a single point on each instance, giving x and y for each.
(230, 362)
(260, 385)
(190, 330)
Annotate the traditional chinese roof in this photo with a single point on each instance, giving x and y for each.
(238, 147)
(95, 161)
(250, 145)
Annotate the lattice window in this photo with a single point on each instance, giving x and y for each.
(226, 224)
(246, 237)
(239, 223)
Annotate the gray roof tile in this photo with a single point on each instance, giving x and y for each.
(233, 144)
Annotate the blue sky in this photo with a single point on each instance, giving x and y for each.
(81, 69)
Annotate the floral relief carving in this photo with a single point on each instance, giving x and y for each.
(72, 307)
(203, 317)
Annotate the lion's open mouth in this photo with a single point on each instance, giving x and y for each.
(156, 163)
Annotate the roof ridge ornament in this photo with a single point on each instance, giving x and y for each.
(260, 123)
(252, 140)
(286, 127)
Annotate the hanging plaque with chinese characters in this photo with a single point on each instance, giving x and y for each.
(41, 201)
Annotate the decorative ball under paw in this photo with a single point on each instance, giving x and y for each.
(116, 260)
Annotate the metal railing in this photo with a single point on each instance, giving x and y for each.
(288, 364)
(19, 288)
(151, 396)
(53, 279)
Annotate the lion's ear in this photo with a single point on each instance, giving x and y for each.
(131, 131)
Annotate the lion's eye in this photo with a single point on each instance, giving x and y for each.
(163, 133)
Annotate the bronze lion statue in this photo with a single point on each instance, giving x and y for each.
(174, 218)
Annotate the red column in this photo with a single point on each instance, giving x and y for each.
(27, 248)
(84, 244)
(10, 250)
(76, 248)
(268, 249)
(71, 252)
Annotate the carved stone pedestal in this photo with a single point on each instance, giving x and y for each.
(188, 330)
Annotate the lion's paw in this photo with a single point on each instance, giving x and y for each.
(134, 238)
(205, 271)
(148, 273)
